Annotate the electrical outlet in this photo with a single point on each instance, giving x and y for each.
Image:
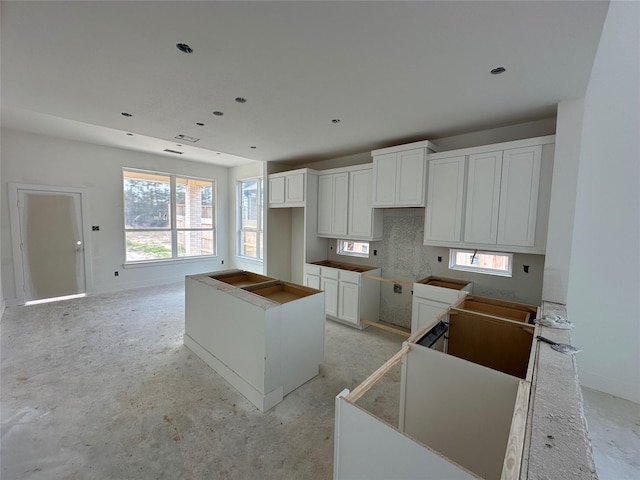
(397, 288)
(439, 259)
(221, 262)
(95, 228)
(375, 252)
(116, 274)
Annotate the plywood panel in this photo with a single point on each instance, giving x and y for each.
(459, 409)
(494, 343)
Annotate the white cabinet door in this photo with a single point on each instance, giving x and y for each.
(424, 312)
(294, 188)
(325, 204)
(519, 196)
(340, 203)
(330, 288)
(360, 209)
(276, 190)
(410, 175)
(384, 175)
(312, 281)
(445, 193)
(483, 196)
(348, 302)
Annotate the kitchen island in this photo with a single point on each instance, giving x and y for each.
(263, 336)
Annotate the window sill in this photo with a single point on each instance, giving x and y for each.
(249, 260)
(168, 261)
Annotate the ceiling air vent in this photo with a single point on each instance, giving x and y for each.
(187, 138)
(172, 151)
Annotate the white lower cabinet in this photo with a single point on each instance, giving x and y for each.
(424, 312)
(432, 296)
(349, 297)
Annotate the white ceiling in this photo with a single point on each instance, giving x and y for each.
(391, 71)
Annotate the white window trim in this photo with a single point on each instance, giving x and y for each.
(239, 228)
(484, 271)
(174, 229)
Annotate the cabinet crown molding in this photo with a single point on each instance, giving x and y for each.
(430, 146)
(526, 142)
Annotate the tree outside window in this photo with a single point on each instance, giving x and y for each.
(167, 217)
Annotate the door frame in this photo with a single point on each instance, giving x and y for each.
(14, 220)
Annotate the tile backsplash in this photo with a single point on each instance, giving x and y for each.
(402, 256)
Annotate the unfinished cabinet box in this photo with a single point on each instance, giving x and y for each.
(265, 339)
(457, 419)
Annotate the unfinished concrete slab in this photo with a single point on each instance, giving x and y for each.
(103, 387)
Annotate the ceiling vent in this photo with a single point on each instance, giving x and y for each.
(187, 138)
(172, 151)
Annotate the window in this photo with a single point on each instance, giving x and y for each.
(353, 248)
(167, 217)
(490, 263)
(250, 219)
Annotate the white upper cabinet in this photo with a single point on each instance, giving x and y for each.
(519, 196)
(344, 205)
(445, 193)
(333, 197)
(364, 221)
(399, 175)
(483, 196)
(287, 189)
(503, 202)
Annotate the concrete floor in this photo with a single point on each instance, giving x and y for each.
(102, 388)
(614, 429)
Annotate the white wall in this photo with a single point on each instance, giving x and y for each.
(603, 298)
(236, 174)
(2, 202)
(37, 159)
(563, 201)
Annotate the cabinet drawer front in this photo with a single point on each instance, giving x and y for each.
(351, 277)
(328, 272)
(312, 269)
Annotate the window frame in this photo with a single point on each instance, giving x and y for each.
(173, 227)
(482, 270)
(259, 229)
(341, 251)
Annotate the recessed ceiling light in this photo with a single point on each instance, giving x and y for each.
(218, 114)
(253, 146)
(183, 47)
(498, 70)
(335, 120)
(218, 153)
(130, 134)
(200, 124)
(125, 114)
(241, 100)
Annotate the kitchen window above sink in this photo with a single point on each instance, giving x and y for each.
(353, 248)
(491, 263)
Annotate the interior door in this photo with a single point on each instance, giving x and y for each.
(51, 243)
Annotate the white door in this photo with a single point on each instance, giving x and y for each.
(51, 243)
